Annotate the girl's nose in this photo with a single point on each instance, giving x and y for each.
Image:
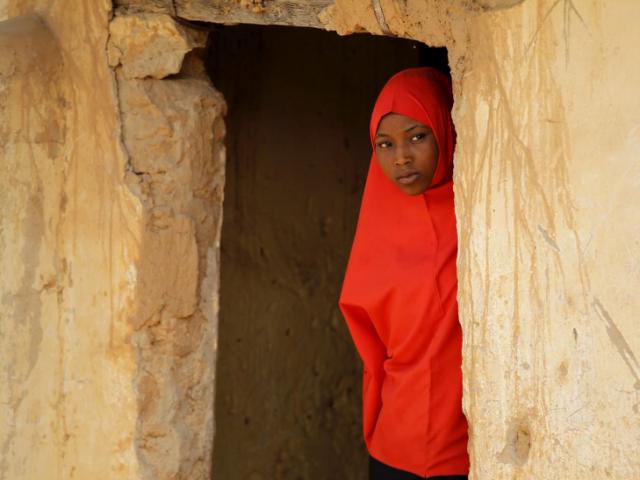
(403, 156)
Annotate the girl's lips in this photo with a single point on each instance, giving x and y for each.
(408, 179)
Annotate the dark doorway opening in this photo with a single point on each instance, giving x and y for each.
(288, 377)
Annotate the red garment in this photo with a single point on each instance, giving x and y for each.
(399, 298)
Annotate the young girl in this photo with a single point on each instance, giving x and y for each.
(399, 292)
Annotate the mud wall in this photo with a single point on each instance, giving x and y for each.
(111, 188)
(546, 187)
(288, 383)
(32, 151)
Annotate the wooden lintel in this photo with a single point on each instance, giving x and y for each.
(299, 13)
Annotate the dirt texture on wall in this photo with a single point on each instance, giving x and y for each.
(546, 191)
(112, 190)
(32, 133)
(111, 183)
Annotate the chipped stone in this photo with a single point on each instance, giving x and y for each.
(151, 45)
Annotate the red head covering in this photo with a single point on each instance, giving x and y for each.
(399, 297)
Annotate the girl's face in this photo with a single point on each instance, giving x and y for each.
(407, 152)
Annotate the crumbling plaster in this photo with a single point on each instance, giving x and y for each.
(110, 273)
(111, 191)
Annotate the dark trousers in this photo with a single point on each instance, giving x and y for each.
(380, 471)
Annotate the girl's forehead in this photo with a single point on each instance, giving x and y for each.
(395, 120)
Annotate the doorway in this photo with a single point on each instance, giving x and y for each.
(288, 377)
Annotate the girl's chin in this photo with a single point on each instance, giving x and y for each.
(412, 190)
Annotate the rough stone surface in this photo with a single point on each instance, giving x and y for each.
(150, 44)
(145, 6)
(107, 372)
(173, 133)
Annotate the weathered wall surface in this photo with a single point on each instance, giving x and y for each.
(31, 146)
(172, 132)
(67, 400)
(111, 191)
(546, 196)
(111, 182)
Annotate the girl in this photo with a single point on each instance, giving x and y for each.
(399, 291)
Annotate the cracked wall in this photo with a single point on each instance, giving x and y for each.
(112, 186)
(122, 173)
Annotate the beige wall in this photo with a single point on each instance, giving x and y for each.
(67, 404)
(109, 264)
(107, 373)
(30, 194)
(547, 193)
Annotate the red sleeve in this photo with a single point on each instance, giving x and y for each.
(373, 354)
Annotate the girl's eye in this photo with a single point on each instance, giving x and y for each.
(383, 144)
(417, 137)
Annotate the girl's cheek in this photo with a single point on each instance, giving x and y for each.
(386, 164)
(383, 155)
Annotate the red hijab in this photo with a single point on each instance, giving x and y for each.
(399, 297)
